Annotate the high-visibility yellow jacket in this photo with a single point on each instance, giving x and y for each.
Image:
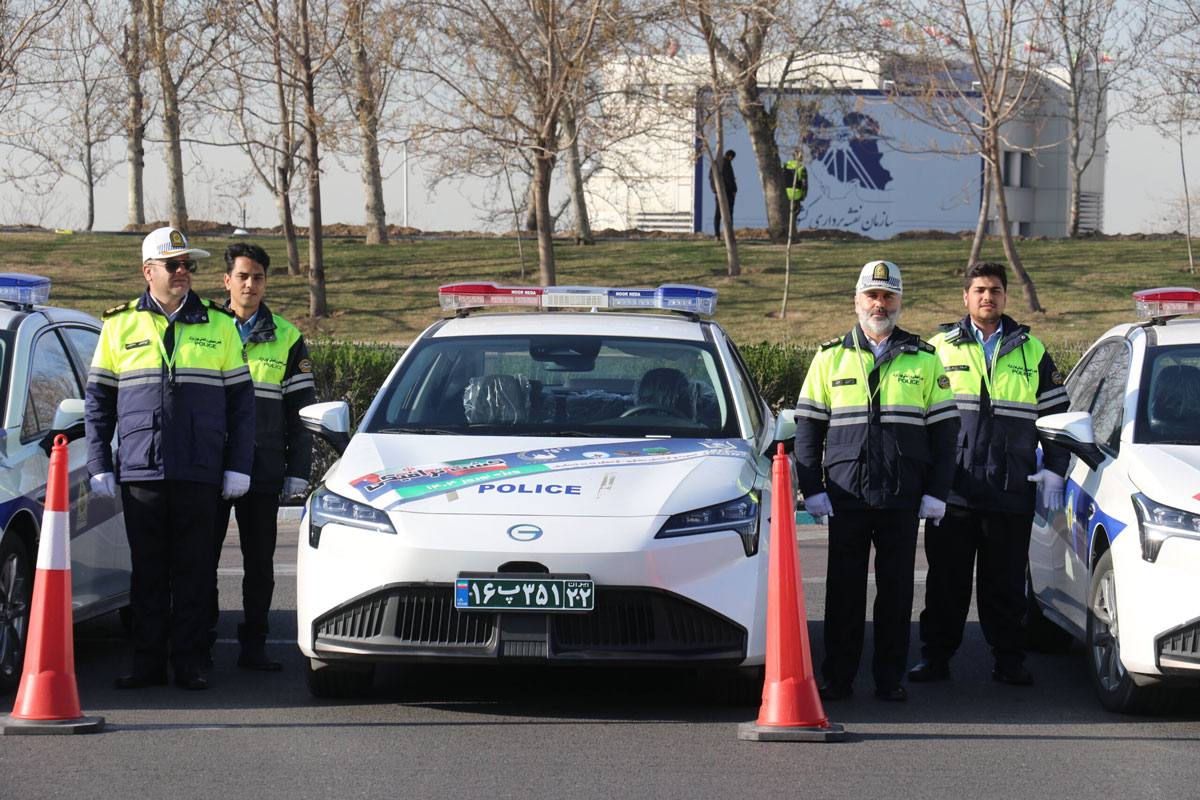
(283, 384)
(873, 433)
(188, 416)
(1000, 403)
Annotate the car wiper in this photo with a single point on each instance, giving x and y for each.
(430, 431)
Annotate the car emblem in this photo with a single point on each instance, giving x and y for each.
(524, 532)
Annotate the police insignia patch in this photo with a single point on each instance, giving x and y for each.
(831, 342)
(305, 365)
(880, 273)
(114, 310)
(177, 241)
(943, 382)
(1057, 378)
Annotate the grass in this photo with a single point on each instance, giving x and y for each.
(389, 294)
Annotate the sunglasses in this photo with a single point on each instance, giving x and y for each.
(174, 264)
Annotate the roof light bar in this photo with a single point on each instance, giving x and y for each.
(20, 287)
(670, 297)
(1166, 302)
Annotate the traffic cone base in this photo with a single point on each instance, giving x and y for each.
(753, 732)
(50, 727)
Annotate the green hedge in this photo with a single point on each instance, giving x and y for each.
(353, 372)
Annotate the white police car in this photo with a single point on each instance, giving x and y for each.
(44, 357)
(1119, 567)
(542, 487)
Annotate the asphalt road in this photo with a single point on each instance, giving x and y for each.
(498, 733)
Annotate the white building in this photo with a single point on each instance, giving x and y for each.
(872, 168)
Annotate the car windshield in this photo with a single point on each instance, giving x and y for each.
(1169, 404)
(557, 386)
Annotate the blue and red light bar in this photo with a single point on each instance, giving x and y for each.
(1166, 302)
(21, 287)
(669, 297)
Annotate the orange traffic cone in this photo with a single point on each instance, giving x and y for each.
(48, 699)
(791, 709)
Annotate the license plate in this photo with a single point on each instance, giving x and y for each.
(524, 593)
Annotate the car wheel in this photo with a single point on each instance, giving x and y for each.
(16, 589)
(338, 680)
(1114, 685)
(1042, 635)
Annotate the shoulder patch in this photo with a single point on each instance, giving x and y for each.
(1057, 378)
(926, 346)
(831, 343)
(305, 365)
(943, 382)
(117, 309)
(215, 306)
(954, 334)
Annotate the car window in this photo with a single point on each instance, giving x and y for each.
(1169, 403)
(557, 385)
(1085, 378)
(745, 384)
(84, 341)
(1109, 405)
(51, 380)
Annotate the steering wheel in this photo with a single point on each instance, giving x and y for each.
(651, 408)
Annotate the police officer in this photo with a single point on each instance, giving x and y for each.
(729, 182)
(169, 380)
(1003, 380)
(283, 384)
(875, 430)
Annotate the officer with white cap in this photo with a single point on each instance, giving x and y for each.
(876, 424)
(169, 381)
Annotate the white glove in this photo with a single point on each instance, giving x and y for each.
(104, 484)
(819, 507)
(1051, 486)
(234, 485)
(932, 509)
(294, 487)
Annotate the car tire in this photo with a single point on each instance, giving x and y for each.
(1042, 635)
(1113, 684)
(16, 593)
(337, 681)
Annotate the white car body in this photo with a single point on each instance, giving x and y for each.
(46, 354)
(1154, 637)
(560, 505)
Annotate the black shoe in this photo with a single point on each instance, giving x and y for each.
(893, 694)
(140, 680)
(1012, 674)
(835, 691)
(190, 676)
(255, 657)
(929, 669)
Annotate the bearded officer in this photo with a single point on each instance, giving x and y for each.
(1003, 380)
(876, 425)
(169, 380)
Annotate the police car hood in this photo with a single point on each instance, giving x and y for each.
(1167, 473)
(550, 477)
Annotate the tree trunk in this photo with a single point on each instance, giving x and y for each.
(89, 175)
(1076, 174)
(761, 125)
(367, 112)
(318, 308)
(283, 203)
(176, 203)
(531, 207)
(1187, 203)
(583, 227)
(985, 205)
(135, 123)
(731, 246)
(542, 167)
(1010, 250)
(286, 165)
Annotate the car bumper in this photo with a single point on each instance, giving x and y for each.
(1160, 609)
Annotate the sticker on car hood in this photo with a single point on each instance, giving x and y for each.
(426, 480)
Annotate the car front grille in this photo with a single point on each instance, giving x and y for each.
(1180, 647)
(633, 623)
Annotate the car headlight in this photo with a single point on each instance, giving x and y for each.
(1158, 522)
(739, 516)
(325, 507)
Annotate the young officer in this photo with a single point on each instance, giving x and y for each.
(169, 380)
(1003, 380)
(283, 384)
(875, 431)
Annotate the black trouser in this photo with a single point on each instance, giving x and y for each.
(256, 514)
(996, 546)
(169, 526)
(717, 215)
(851, 534)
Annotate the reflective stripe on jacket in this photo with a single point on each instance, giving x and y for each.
(283, 384)
(998, 439)
(189, 416)
(882, 444)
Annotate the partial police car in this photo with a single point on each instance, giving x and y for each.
(44, 357)
(550, 486)
(1119, 567)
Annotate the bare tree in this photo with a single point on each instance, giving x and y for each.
(960, 68)
(21, 26)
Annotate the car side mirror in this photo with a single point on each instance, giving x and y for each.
(330, 421)
(1072, 432)
(68, 421)
(785, 430)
